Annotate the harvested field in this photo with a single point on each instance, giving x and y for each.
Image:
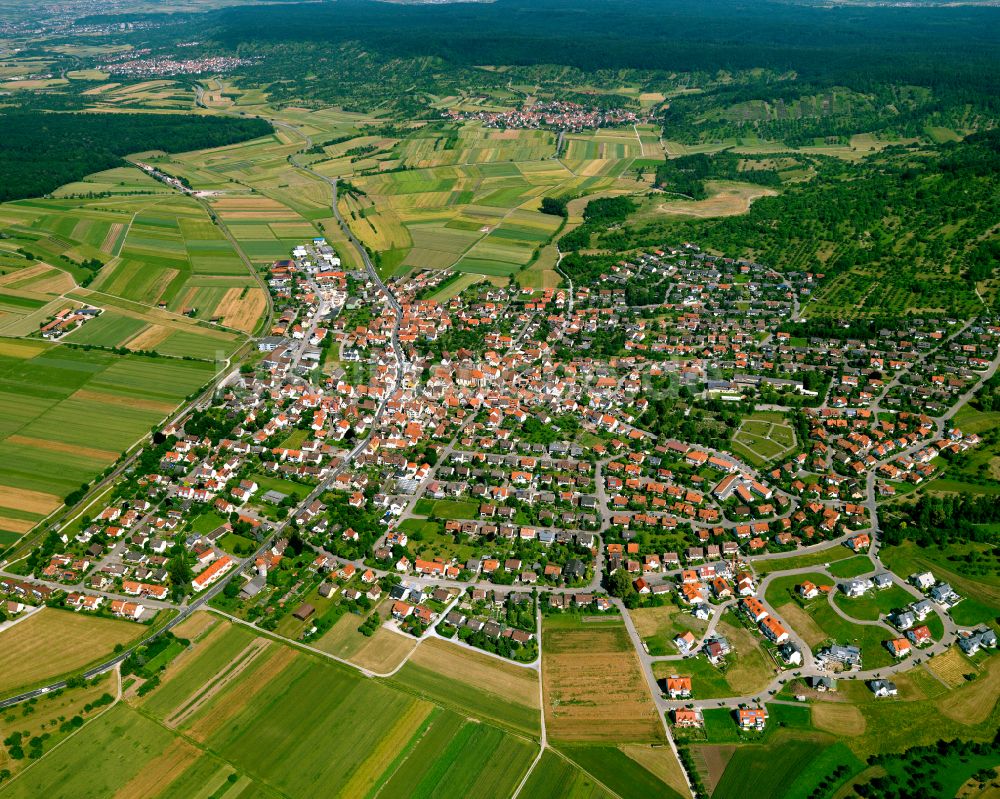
(15, 525)
(660, 762)
(802, 623)
(159, 771)
(29, 501)
(729, 200)
(125, 401)
(56, 282)
(54, 642)
(951, 667)
(150, 338)
(839, 718)
(221, 680)
(240, 308)
(196, 626)
(380, 653)
(26, 274)
(515, 683)
(594, 687)
(712, 761)
(114, 231)
(973, 702)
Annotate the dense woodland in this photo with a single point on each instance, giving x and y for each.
(42, 151)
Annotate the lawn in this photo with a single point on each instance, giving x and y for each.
(981, 591)
(707, 682)
(852, 567)
(869, 638)
(817, 557)
(658, 626)
(452, 509)
(782, 589)
(874, 604)
(54, 642)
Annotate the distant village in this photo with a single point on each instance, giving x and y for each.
(559, 114)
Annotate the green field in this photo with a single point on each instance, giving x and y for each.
(66, 414)
(852, 567)
(618, 772)
(558, 778)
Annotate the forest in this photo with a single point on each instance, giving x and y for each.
(41, 151)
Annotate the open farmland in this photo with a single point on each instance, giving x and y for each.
(475, 684)
(250, 706)
(381, 652)
(27, 655)
(55, 403)
(594, 687)
(559, 778)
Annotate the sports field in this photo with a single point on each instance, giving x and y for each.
(56, 405)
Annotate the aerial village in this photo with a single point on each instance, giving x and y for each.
(459, 467)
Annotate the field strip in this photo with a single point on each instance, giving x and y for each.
(402, 756)
(25, 274)
(149, 338)
(149, 313)
(62, 446)
(244, 659)
(19, 348)
(271, 669)
(158, 772)
(16, 525)
(28, 500)
(382, 757)
(128, 402)
(117, 671)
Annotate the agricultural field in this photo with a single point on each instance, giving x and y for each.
(474, 683)
(53, 717)
(380, 653)
(55, 403)
(631, 770)
(167, 275)
(559, 778)
(237, 708)
(27, 655)
(594, 688)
